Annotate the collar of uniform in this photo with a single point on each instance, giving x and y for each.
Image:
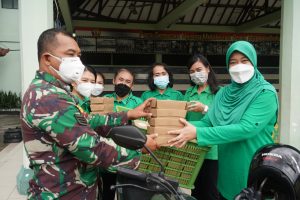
(51, 79)
(125, 100)
(195, 90)
(83, 103)
(167, 92)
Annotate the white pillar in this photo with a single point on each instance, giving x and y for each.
(35, 16)
(290, 73)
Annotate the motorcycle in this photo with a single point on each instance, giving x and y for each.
(132, 184)
(274, 174)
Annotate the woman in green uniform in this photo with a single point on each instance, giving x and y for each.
(124, 99)
(82, 89)
(240, 121)
(160, 82)
(200, 96)
(99, 85)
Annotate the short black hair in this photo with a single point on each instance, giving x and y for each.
(92, 70)
(211, 81)
(150, 79)
(87, 68)
(102, 75)
(124, 70)
(48, 37)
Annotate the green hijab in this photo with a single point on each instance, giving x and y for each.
(232, 100)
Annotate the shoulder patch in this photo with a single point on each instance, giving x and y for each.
(80, 119)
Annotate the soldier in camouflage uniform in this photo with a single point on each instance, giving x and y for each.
(60, 144)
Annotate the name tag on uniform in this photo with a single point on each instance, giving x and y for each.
(80, 119)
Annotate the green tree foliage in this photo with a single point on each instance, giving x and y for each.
(9, 100)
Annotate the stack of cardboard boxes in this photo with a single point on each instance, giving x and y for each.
(165, 117)
(102, 105)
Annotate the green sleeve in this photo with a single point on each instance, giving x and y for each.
(130, 155)
(261, 112)
(111, 119)
(144, 96)
(66, 125)
(204, 122)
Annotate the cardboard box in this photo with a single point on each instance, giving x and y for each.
(168, 113)
(161, 130)
(168, 104)
(102, 107)
(162, 140)
(102, 100)
(165, 121)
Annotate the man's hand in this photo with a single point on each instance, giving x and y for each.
(142, 110)
(151, 143)
(3, 52)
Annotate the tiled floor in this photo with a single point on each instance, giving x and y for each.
(11, 159)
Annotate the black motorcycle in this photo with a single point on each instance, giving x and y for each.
(132, 184)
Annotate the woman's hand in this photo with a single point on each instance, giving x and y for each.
(187, 133)
(142, 110)
(195, 106)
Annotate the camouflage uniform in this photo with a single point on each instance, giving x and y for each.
(63, 149)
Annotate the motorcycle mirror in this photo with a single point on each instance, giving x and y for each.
(128, 136)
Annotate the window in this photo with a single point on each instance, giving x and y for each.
(10, 4)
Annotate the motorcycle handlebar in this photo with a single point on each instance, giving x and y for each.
(132, 174)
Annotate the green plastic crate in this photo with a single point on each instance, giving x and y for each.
(182, 164)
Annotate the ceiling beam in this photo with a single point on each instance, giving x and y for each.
(180, 11)
(112, 25)
(260, 21)
(66, 14)
(175, 27)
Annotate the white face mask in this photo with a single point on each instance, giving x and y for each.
(199, 78)
(241, 73)
(98, 89)
(161, 81)
(70, 68)
(85, 89)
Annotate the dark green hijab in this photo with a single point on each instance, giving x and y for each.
(232, 100)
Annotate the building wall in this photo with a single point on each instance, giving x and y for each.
(10, 67)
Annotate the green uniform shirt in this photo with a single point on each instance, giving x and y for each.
(238, 142)
(205, 97)
(98, 120)
(169, 94)
(130, 101)
(84, 104)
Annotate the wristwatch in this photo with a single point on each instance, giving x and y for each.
(205, 109)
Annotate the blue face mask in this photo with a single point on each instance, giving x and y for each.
(161, 82)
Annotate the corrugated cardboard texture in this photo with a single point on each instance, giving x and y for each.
(102, 107)
(161, 130)
(102, 100)
(162, 140)
(165, 121)
(168, 113)
(168, 104)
